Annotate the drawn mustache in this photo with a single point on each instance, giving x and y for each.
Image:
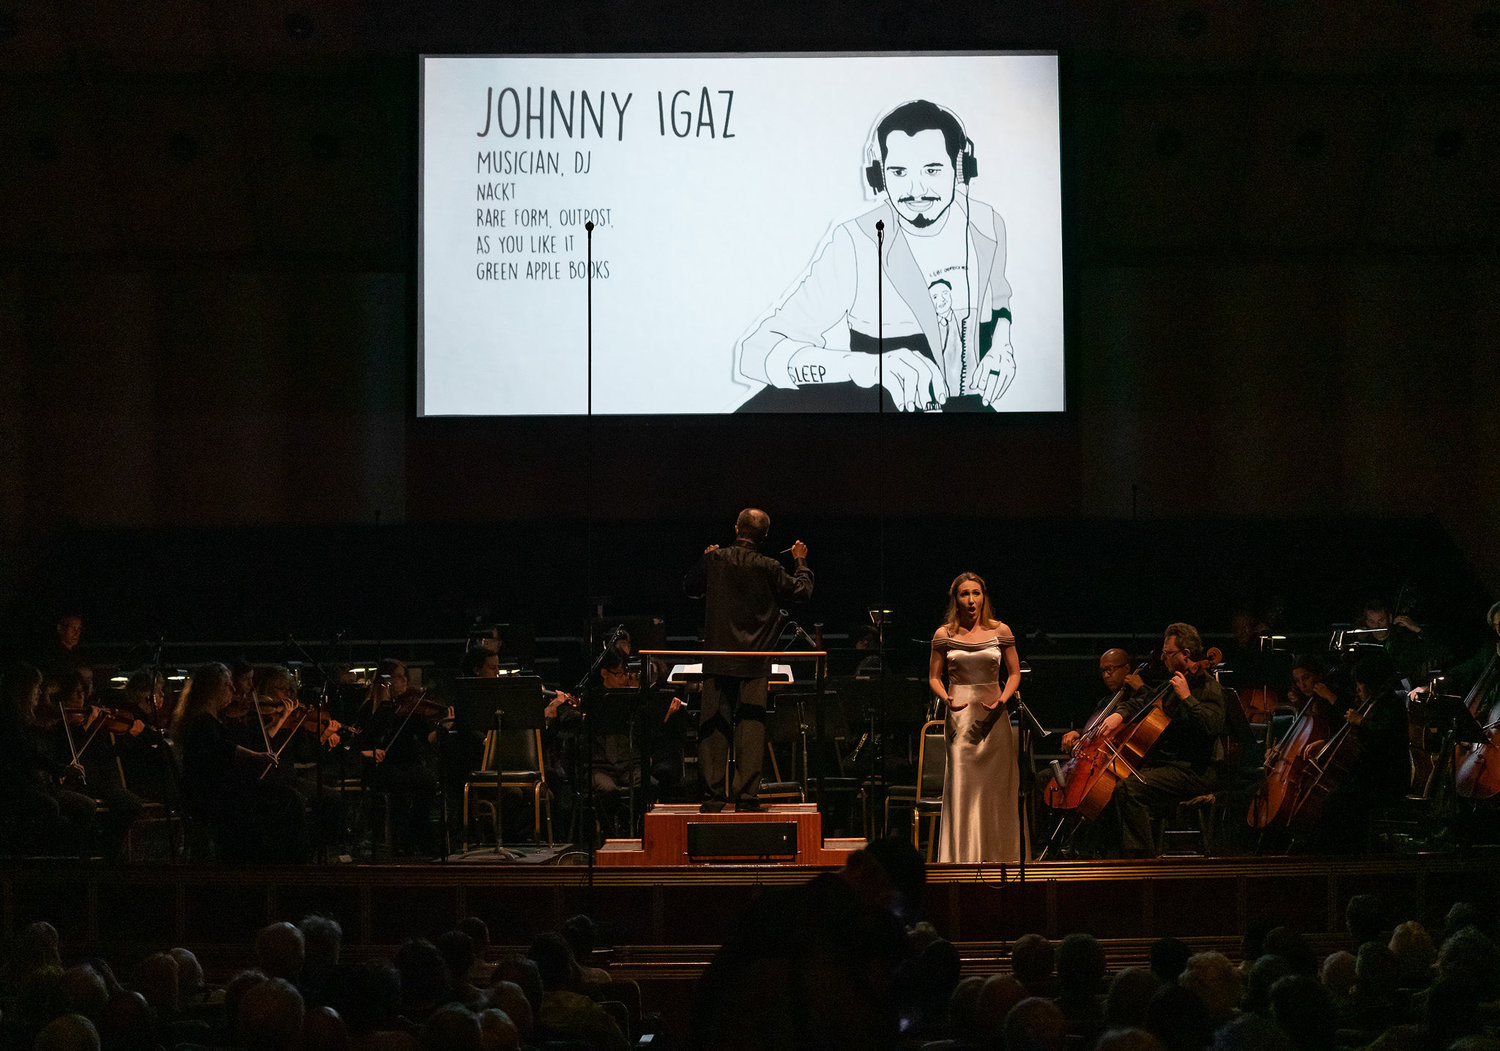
(913, 200)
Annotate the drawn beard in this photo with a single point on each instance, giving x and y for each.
(922, 220)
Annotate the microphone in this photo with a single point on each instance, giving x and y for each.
(1059, 774)
(880, 225)
(797, 629)
(589, 227)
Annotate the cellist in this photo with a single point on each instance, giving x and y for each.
(1179, 766)
(1114, 670)
(1379, 772)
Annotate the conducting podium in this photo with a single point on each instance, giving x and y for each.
(777, 833)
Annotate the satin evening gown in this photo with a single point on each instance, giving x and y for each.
(979, 822)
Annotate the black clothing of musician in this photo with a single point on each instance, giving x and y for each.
(1180, 764)
(254, 818)
(744, 591)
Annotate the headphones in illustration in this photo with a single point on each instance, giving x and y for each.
(922, 114)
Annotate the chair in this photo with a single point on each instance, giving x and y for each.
(783, 730)
(925, 798)
(511, 760)
(154, 813)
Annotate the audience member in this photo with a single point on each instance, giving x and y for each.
(1129, 996)
(280, 951)
(1035, 1024)
(1168, 957)
(1032, 959)
(1215, 981)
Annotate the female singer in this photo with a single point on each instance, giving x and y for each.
(980, 820)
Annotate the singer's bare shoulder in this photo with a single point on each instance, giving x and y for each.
(940, 634)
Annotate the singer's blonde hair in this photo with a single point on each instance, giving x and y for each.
(986, 614)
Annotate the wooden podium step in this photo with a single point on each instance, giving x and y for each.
(780, 834)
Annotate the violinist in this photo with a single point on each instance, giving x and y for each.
(398, 741)
(1179, 765)
(145, 756)
(615, 769)
(51, 818)
(253, 817)
(85, 734)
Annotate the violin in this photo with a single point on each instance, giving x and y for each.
(417, 702)
(305, 717)
(118, 721)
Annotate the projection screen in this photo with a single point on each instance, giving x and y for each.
(777, 233)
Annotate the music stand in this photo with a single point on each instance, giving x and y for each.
(510, 702)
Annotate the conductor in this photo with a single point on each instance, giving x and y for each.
(744, 590)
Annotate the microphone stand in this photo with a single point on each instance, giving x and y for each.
(1031, 731)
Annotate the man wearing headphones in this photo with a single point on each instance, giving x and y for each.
(932, 232)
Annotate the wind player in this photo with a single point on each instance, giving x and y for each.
(1179, 766)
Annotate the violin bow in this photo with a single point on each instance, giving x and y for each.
(68, 732)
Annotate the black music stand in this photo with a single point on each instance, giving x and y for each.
(507, 703)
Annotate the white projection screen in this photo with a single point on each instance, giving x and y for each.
(737, 262)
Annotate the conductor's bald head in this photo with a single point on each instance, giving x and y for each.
(753, 524)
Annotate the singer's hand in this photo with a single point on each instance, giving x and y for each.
(799, 550)
(997, 370)
(912, 380)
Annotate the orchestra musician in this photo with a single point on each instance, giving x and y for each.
(1379, 773)
(48, 815)
(744, 592)
(1179, 766)
(146, 757)
(398, 740)
(1090, 838)
(86, 734)
(1466, 673)
(253, 818)
(1115, 673)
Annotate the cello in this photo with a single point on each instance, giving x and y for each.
(1119, 757)
(1288, 764)
(1081, 784)
(1476, 773)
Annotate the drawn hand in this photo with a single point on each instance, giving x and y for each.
(912, 380)
(997, 370)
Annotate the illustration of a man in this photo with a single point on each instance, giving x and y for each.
(820, 350)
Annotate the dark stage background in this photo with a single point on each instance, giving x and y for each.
(1283, 288)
